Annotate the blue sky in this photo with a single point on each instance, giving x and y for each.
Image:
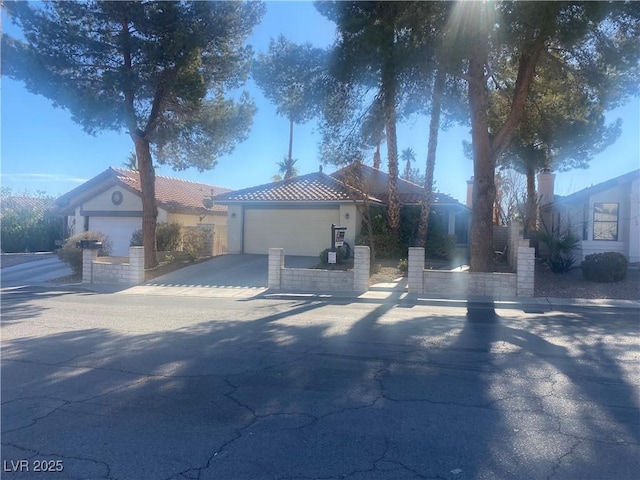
(42, 149)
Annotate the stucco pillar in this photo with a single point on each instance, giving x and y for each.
(276, 264)
(361, 268)
(525, 274)
(88, 256)
(136, 265)
(416, 270)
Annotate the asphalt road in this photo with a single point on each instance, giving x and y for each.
(130, 387)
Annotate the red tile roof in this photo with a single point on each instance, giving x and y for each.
(172, 194)
(314, 187)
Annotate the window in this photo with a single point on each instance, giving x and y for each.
(605, 221)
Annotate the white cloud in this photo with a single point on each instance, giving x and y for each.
(42, 177)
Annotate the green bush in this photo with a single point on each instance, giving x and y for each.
(24, 229)
(72, 255)
(168, 237)
(605, 267)
(194, 242)
(324, 256)
(403, 265)
(441, 246)
(560, 248)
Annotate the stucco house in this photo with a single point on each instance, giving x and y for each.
(111, 202)
(606, 216)
(297, 214)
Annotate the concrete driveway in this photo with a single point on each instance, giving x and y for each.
(234, 272)
(32, 273)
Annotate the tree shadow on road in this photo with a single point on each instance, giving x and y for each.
(310, 389)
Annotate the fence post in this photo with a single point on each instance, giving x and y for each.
(136, 265)
(416, 270)
(88, 256)
(361, 268)
(276, 264)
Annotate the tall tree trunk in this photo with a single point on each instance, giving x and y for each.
(389, 93)
(288, 173)
(434, 127)
(484, 190)
(531, 220)
(149, 208)
(376, 157)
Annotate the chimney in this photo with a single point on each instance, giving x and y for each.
(470, 193)
(546, 181)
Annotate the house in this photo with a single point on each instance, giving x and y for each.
(111, 202)
(605, 217)
(297, 214)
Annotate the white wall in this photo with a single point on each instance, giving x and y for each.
(234, 228)
(102, 201)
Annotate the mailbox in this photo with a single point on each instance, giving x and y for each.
(89, 244)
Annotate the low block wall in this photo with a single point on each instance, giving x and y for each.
(314, 279)
(356, 280)
(117, 272)
(120, 270)
(486, 284)
(496, 285)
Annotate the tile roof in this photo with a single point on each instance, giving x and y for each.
(172, 194)
(377, 184)
(23, 202)
(313, 187)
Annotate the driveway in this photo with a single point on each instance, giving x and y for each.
(228, 271)
(40, 271)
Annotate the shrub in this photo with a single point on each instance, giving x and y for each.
(72, 255)
(25, 228)
(403, 265)
(560, 248)
(324, 256)
(441, 246)
(194, 242)
(168, 237)
(136, 239)
(605, 267)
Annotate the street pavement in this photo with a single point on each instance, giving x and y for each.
(122, 386)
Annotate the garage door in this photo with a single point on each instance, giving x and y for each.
(299, 232)
(118, 229)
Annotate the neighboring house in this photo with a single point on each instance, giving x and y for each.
(297, 214)
(111, 202)
(605, 217)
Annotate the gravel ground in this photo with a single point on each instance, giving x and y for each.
(572, 285)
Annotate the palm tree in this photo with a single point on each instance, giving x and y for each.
(286, 169)
(408, 156)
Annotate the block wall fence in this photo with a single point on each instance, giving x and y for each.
(121, 270)
(489, 284)
(356, 280)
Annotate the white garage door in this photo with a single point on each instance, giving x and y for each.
(118, 229)
(299, 232)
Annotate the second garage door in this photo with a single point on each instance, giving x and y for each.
(299, 232)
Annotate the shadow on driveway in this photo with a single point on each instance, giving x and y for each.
(230, 271)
